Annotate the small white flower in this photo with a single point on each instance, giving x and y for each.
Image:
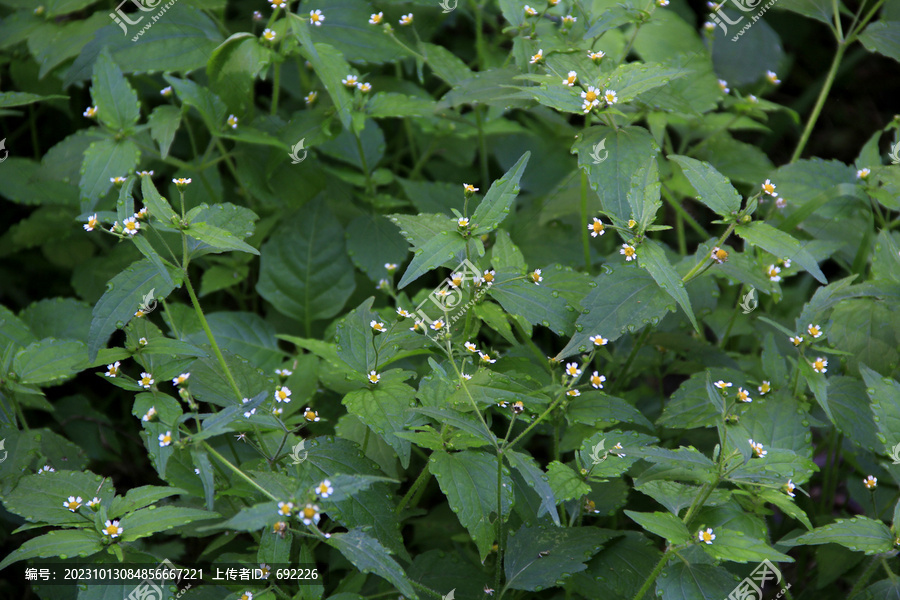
(406, 19)
(166, 91)
(572, 370)
(309, 515)
(707, 536)
(765, 388)
(469, 188)
(316, 18)
(376, 18)
(146, 380)
(629, 252)
(530, 11)
(249, 413)
(758, 449)
(311, 415)
(596, 56)
(350, 80)
(870, 482)
(769, 188)
(373, 376)
(73, 503)
(819, 365)
(377, 326)
(150, 415)
(112, 529)
(814, 330)
(598, 340)
(283, 372)
(743, 395)
(773, 273)
(486, 358)
(131, 226)
(92, 223)
(723, 85)
(570, 79)
(863, 173)
(165, 439)
(596, 228)
(181, 379)
(269, 35)
(789, 487)
(90, 112)
(283, 394)
(471, 347)
(722, 385)
(610, 97)
(232, 121)
(311, 97)
(772, 77)
(93, 503)
(536, 277)
(285, 508)
(46, 469)
(113, 369)
(324, 489)
(537, 57)
(597, 380)
(364, 87)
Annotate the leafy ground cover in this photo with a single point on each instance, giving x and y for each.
(459, 300)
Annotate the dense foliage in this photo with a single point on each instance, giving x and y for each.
(484, 300)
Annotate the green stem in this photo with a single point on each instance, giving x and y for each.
(212, 340)
(651, 578)
(864, 577)
(365, 165)
(237, 471)
(482, 147)
(276, 87)
(421, 479)
(704, 260)
(585, 234)
(820, 102)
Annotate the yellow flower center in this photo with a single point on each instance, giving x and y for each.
(309, 513)
(112, 530)
(597, 226)
(489, 277)
(310, 415)
(590, 96)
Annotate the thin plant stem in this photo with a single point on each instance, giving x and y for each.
(651, 578)
(237, 471)
(820, 102)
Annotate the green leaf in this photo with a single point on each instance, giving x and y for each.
(860, 534)
(219, 239)
(629, 149)
(469, 480)
(781, 245)
(445, 63)
(386, 411)
(678, 496)
(39, 498)
(372, 242)
(565, 483)
(537, 480)
(158, 206)
(883, 37)
(251, 518)
(211, 108)
(140, 497)
(61, 318)
(11, 99)
(329, 65)
(304, 269)
(602, 411)
(62, 543)
(354, 338)
(735, 546)
(392, 104)
(542, 557)
(369, 556)
(209, 383)
(632, 79)
(506, 255)
(866, 328)
(116, 100)
(653, 258)
(683, 580)
(419, 229)
(148, 521)
(246, 334)
(182, 42)
(852, 414)
(164, 122)
(444, 247)
(624, 300)
(124, 294)
(665, 525)
(49, 361)
(233, 66)
(885, 395)
(104, 160)
(713, 189)
(538, 304)
(495, 206)
(786, 505)
(644, 195)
